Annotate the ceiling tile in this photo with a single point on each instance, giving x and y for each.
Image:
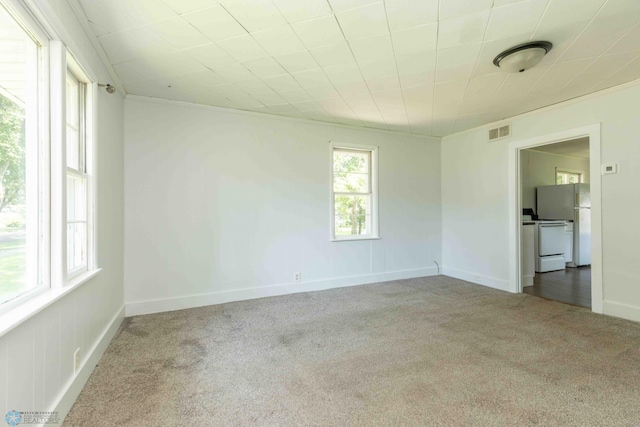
(296, 10)
(629, 73)
(340, 5)
(418, 69)
(199, 79)
(344, 73)
(186, 6)
(372, 48)
(418, 100)
(171, 64)
(480, 93)
(144, 11)
(235, 72)
(254, 87)
(628, 43)
(335, 54)
(609, 26)
(462, 31)
(179, 33)
(264, 67)
(516, 85)
(243, 48)
(447, 98)
(210, 55)
(269, 99)
(132, 44)
(131, 72)
(312, 78)
(456, 8)
(255, 15)
(389, 100)
(324, 92)
(307, 106)
(366, 21)
(558, 75)
(353, 88)
(296, 62)
(561, 14)
(282, 83)
(295, 96)
(215, 23)
(600, 70)
(319, 32)
(515, 19)
(381, 75)
(108, 18)
(416, 39)
(403, 14)
(279, 41)
(456, 63)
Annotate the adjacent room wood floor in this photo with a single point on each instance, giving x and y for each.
(571, 286)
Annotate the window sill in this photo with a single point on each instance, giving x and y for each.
(29, 308)
(355, 239)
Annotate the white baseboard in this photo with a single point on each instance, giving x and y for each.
(191, 301)
(74, 386)
(478, 279)
(624, 311)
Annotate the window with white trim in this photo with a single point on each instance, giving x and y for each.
(46, 157)
(354, 194)
(23, 160)
(77, 178)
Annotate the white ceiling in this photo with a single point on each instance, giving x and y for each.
(574, 148)
(420, 66)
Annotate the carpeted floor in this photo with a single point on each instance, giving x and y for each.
(425, 352)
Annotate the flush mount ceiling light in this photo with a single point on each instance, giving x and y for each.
(522, 57)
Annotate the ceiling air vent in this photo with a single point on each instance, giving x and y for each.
(500, 132)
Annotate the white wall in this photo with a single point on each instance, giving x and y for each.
(222, 205)
(475, 203)
(36, 357)
(538, 168)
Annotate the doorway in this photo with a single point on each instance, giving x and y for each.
(555, 200)
(580, 281)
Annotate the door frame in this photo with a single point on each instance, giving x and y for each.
(515, 205)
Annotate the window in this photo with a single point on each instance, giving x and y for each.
(77, 179)
(22, 162)
(568, 177)
(46, 185)
(354, 197)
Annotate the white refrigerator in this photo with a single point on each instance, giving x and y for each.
(570, 202)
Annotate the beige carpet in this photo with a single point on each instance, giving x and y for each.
(424, 352)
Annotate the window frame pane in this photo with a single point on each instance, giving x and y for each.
(370, 215)
(37, 126)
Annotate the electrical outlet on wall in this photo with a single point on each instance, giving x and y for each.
(76, 360)
(296, 277)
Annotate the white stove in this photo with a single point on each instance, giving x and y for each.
(550, 245)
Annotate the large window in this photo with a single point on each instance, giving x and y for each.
(46, 137)
(21, 160)
(354, 192)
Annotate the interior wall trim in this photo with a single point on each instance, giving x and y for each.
(135, 308)
(72, 389)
